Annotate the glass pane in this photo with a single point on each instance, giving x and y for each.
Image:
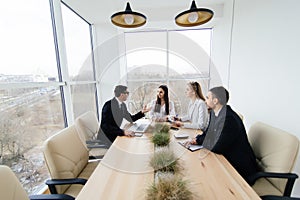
(189, 53)
(146, 55)
(27, 118)
(27, 46)
(78, 46)
(83, 98)
(146, 64)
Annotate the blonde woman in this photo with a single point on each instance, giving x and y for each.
(197, 116)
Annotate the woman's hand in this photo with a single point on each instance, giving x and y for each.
(178, 123)
(145, 109)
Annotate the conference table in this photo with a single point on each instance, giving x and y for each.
(125, 173)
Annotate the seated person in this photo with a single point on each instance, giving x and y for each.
(113, 113)
(161, 108)
(226, 134)
(197, 115)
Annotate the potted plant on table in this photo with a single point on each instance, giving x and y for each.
(164, 160)
(169, 187)
(161, 136)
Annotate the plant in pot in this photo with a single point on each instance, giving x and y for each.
(164, 160)
(160, 139)
(169, 187)
(161, 128)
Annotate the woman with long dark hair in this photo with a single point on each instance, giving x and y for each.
(197, 116)
(162, 107)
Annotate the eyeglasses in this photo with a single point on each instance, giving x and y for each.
(125, 92)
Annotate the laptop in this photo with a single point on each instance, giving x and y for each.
(140, 126)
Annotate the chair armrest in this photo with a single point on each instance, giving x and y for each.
(273, 197)
(51, 196)
(52, 182)
(93, 141)
(91, 158)
(91, 146)
(291, 178)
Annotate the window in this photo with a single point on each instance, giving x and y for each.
(80, 62)
(166, 57)
(30, 100)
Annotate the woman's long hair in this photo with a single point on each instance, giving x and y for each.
(166, 98)
(197, 88)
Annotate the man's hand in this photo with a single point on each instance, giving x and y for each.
(128, 133)
(190, 142)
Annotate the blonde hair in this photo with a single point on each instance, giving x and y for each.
(197, 89)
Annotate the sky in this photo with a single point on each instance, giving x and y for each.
(26, 38)
(26, 47)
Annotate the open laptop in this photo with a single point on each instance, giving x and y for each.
(140, 126)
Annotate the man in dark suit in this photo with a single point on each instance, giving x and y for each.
(226, 134)
(113, 113)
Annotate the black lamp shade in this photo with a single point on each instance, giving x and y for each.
(194, 16)
(128, 18)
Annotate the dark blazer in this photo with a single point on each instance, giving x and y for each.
(112, 117)
(232, 142)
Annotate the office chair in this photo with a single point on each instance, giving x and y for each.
(276, 153)
(11, 188)
(67, 160)
(87, 126)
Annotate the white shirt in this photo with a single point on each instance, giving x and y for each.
(119, 102)
(162, 114)
(197, 115)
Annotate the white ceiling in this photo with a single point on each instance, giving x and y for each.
(100, 11)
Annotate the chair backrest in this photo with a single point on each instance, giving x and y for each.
(87, 125)
(276, 150)
(65, 155)
(10, 187)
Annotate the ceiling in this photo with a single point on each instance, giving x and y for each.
(100, 11)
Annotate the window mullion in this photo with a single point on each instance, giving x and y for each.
(62, 60)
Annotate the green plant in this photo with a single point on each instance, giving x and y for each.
(164, 160)
(161, 128)
(169, 187)
(161, 139)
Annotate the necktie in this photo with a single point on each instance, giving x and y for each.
(123, 107)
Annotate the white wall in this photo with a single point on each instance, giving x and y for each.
(106, 47)
(265, 64)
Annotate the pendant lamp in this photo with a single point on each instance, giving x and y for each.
(128, 18)
(194, 16)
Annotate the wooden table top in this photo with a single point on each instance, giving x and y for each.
(124, 173)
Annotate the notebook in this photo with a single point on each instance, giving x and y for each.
(191, 147)
(140, 126)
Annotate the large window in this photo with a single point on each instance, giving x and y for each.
(166, 57)
(80, 62)
(30, 100)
